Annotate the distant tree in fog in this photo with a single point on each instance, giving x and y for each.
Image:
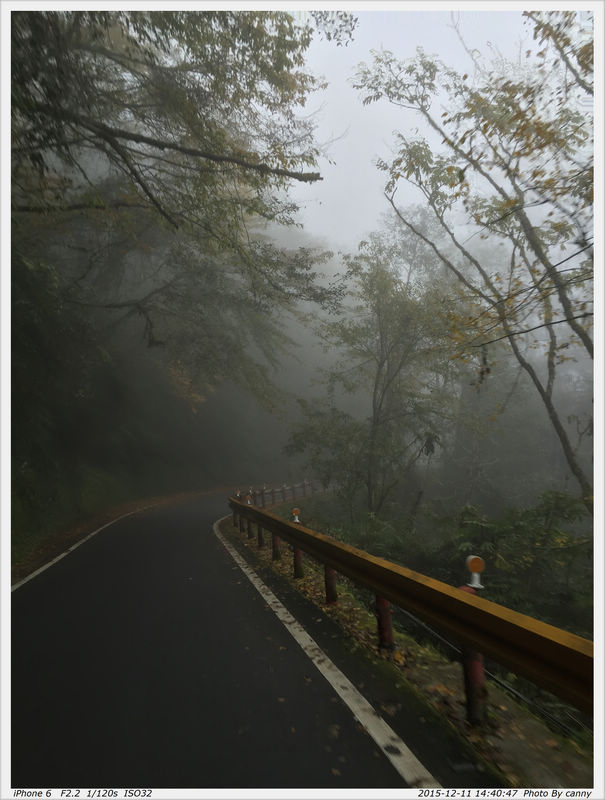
(389, 356)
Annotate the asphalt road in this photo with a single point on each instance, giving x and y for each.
(145, 658)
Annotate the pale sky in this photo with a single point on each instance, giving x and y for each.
(347, 204)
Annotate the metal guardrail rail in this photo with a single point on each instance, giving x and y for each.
(271, 495)
(553, 659)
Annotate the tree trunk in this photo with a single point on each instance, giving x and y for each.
(570, 456)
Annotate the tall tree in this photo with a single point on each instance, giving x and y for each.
(391, 362)
(515, 161)
(149, 149)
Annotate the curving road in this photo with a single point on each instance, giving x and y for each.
(146, 658)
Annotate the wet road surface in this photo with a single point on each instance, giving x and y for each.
(145, 658)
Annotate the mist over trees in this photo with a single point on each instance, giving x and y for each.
(149, 152)
(457, 416)
(514, 165)
(393, 361)
(148, 148)
(173, 329)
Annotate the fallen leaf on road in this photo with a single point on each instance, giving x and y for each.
(334, 731)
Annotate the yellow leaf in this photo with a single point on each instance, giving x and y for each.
(439, 687)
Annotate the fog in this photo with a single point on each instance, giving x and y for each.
(430, 356)
(348, 202)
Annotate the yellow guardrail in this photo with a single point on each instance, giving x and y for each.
(553, 659)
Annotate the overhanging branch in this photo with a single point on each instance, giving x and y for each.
(110, 134)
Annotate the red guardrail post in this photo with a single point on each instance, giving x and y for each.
(383, 611)
(330, 584)
(297, 563)
(296, 551)
(472, 661)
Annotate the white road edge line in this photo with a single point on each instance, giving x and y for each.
(401, 757)
(74, 547)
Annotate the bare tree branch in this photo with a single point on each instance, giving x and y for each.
(535, 328)
(93, 206)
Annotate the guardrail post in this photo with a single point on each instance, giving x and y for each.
(330, 584)
(275, 548)
(299, 571)
(249, 526)
(296, 551)
(259, 535)
(234, 518)
(474, 686)
(383, 611)
(472, 661)
(241, 523)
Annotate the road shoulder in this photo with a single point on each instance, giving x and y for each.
(417, 690)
